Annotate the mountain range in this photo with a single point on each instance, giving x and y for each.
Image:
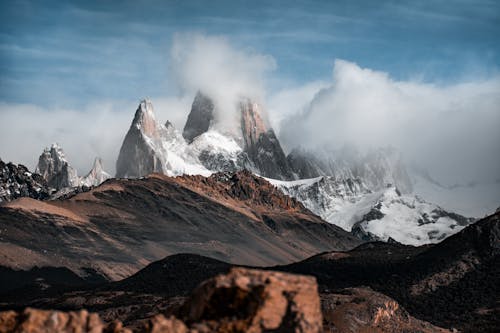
(370, 194)
(219, 218)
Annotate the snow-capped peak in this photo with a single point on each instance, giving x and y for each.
(55, 169)
(96, 175)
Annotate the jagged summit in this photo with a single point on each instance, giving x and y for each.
(202, 149)
(145, 119)
(17, 181)
(200, 118)
(96, 175)
(55, 169)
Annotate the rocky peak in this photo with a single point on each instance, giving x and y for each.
(252, 124)
(142, 150)
(145, 119)
(200, 117)
(244, 186)
(17, 181)
(55, 169)
(96, 175)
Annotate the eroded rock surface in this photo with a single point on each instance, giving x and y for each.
(244, 300)
(364, 310)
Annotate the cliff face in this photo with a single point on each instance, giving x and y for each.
(55, 169)
(142, 150)
(200, 118)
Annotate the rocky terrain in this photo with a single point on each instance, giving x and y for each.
(376, 287)
(241, 300)
(61, 176)
(17, 181)
(124, 224)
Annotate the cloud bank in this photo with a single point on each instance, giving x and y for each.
(211, 65)
(452, 130)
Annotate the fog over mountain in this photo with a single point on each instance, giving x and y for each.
(449, 129)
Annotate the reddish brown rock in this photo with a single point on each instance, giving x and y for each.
(247, 300)
(42, 321)
(366, 311)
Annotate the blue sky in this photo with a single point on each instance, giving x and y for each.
(65, 53)
(423, 76)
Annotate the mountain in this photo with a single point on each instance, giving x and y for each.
(376, 168)
(123, 224)
(55, 169)
(96, 175)
(375, 215)
(17, 181)
(200, 118)
(61, 176)
(203, 147)
(375, 287)
(354, 190)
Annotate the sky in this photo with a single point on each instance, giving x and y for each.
(74, 72)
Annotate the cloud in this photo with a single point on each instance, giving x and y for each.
(452, 130)
(210, 64)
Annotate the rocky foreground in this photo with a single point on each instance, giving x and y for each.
(243, 300)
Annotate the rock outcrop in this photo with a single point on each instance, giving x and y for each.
(142, 151)
(96, 175)
(200, 118)
(244, 300)
(255, 301)
(365, 310)
(17, 181)
(261, 144)
(42, 321)
(55, 169)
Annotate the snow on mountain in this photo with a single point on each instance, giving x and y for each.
(60, 175)
(17, 181)
(55, 169)
(376, 168)
(151, 147)
(96, 175)
(374, 215)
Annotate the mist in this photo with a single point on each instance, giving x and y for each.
(210, 64)
(452, 130)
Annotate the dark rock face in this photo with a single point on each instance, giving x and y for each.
(364, 310)
(200, 117)
(17, 181)
(262, 145)
(55, 169)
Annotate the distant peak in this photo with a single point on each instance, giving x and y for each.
(200, 118)
(145, 119)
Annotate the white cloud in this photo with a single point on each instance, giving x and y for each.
(452, 130)
(213, 66)
(287, 102)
